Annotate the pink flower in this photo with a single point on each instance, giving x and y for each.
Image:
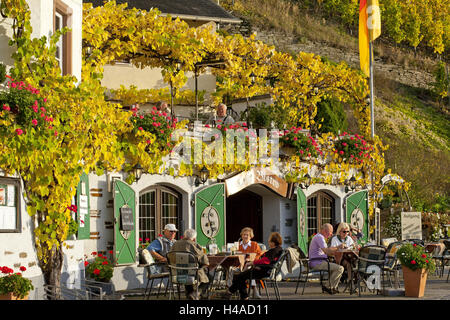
(19, 131)
(7, 108)
(140, 128)
(344, 144)
(34, 122)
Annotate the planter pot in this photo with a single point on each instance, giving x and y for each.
(415, 282)
(11, 296)
(288, 150)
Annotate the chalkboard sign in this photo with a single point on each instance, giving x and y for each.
(126, 219)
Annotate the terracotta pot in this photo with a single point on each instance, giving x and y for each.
(414, 281)
(11, 296)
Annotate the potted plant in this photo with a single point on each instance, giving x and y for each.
(142, 245)
(101, 270)
(416, 264)
(13, 286)
(295, 141)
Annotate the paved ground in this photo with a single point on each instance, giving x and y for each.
(436, 289)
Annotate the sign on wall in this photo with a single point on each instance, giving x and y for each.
(411, 225)
(256, 175)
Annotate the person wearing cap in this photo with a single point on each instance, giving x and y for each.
(161, 245)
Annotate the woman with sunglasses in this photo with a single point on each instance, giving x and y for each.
(343, 240)
(342, 237)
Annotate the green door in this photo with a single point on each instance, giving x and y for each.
(83, 218)
(357, 213)
(301, 221)
(210, 215)
(124, 223)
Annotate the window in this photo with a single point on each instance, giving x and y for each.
(63, 18)
(10, 220)
(158, 206)
(320, 211)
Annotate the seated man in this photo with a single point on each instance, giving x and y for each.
(189, 244)
(318, 255)
(161, 245)
(221, 118)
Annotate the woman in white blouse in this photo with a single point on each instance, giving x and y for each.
(342, 237)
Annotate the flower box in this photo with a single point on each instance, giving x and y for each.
(11, 296)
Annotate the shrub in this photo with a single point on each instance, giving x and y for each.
(333, 115)
(304, 145)
(353, 148)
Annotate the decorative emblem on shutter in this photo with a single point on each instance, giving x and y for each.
(357, 219)
(210, 222)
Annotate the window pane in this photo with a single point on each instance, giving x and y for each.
(147, 216)
(169, 209)
(326, 211)
(312, 216)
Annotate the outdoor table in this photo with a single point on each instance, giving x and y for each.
(237, 260)
(351, 256)
(225, 262)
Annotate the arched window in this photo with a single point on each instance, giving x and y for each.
(320, 210)
(158, 206)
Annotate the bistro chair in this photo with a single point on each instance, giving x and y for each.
(442, 259)
(306, 273)
(154, 270)
(183, 268)
(391, 263)
(369, 256)
(273, 278)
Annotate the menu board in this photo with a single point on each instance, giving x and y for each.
(411, 225)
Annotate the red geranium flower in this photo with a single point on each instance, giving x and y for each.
(413, 261)
(86, 263)
(96, 271)
(23, 269)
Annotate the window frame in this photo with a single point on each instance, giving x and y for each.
(319, 196)
(16, 183)
(65, 12)
(159, 225)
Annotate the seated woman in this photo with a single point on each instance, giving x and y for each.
(343, 239)
(260, 268)
(247, 246)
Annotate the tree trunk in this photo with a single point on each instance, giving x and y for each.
(52, 271)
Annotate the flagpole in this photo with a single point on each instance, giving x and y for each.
(372, 115)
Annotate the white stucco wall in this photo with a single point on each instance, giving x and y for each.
(42, 24)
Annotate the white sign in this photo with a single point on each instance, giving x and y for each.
(411, 225)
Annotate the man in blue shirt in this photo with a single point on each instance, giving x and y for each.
(161, 245)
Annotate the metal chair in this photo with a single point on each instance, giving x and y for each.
(154, 270)
(273, 278)
(370, 258)
(307, 273)
(391, 265)
(183, 268)
(152, 275)
(443, 258)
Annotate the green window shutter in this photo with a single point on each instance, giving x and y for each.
(301, 221)
(125, 248)
(357, 213)
(210, 215)
(83, 207)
